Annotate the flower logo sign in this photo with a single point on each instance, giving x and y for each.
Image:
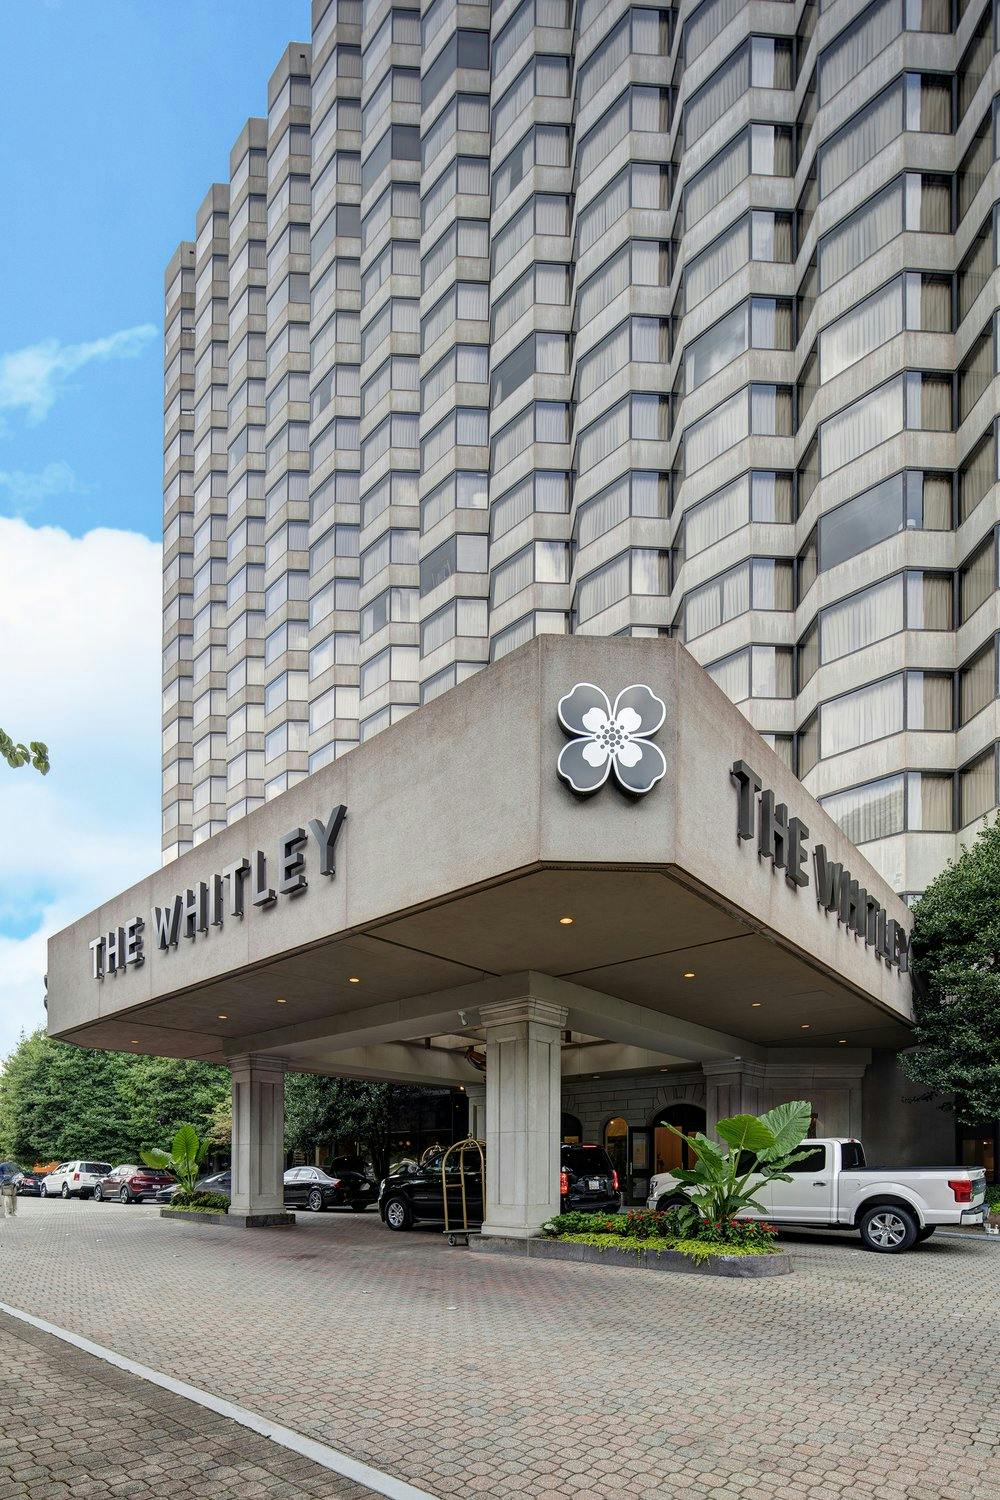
(606, 739)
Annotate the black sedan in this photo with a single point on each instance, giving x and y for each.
(28, 1184)
(317, 1188)
(218, 1182)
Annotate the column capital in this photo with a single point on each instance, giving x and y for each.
(258, 1062)
(510, 1012)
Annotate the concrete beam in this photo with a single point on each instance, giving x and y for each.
(396, 1063)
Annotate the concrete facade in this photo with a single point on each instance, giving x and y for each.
(442, 891)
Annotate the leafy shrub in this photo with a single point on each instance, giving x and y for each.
(650, 1229)
(993, 1197)
(201, 1202)
(695, 1249)
(641, 1224)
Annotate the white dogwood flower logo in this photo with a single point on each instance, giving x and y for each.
(606, 738)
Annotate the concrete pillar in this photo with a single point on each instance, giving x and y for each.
(258, 1156)
(733, 1086)
(523, 1102)
(476, 1095)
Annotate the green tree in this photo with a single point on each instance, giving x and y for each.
(319, 1109)
(59, 1101)
(955, 964)
(17, 755)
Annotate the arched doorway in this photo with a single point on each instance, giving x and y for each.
(572, 1130)
(616, 1144)
(669, 1151)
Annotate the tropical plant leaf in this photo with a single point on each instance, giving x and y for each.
(154, 1157)
(746, 1133)
(789, 1124)
(186, 1144)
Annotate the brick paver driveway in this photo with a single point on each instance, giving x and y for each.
(71, 1426)
(471, 1374)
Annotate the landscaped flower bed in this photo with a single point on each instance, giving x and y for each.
(643, 1231)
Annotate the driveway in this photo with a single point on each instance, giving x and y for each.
(471, 1374)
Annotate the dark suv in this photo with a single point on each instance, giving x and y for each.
(587, 1181)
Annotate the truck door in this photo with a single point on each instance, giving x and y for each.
(809, 1197)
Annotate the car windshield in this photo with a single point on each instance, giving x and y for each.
(587, 1161)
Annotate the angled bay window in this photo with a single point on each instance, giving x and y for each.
(759, 323)
(399, 487)
(642, 570)
(640, 416)
(637, 493)
(976, 163)
(763, 583)
(977, 787)
(754, 672)
(909, 501)
(637, 263)
(978, 474)
(639, 185)
(540, 422)
(758, 496)
(465, 427)
(705, 23)
(760, 235)
(400, 200)
(539, 562)
(978, 265)
(393, 606)
(545, 281)
(914, 101)
(758, 150)
(542, 77)
(976, 372)
(910, 301)
(914, 400)
(906, 700)
(639, 340)
(466, 237)
(462, 553)
(977, 682)
(464, 490)
(977, 578)
(394, 664)
(541, 146)
(912, 601)
(461, 617)
(914, 801)
(466, 364)
(761, 410)
(855, 47)
(975, 61)
(544, 491)
(338, 649)
(467, 175)
(541, 353)
(761, 62)
(465, 302)
(397, 545)
(539, 622)
(915, 201)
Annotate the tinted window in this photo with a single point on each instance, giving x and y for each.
(100, 1167)
(852, 1156)
(587, 1160)
(814, 1162)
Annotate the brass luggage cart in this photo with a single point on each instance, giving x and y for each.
(455, 1234)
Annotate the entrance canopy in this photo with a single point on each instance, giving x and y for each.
(357, 923)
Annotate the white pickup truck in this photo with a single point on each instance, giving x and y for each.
(832, 1188)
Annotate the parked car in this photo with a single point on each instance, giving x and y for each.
(9, 1169)
(892, 1208)
(132, 1184)
(216, 1182)
(413, 1195)
(28, 1184)
(317, 1188)
(588, 1181)
(74, 1179)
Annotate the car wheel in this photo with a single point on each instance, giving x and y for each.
(43, 1191)
(314, 1202)
(925, 1233)
(888, 1229)
(65, 1190)
(98, 1194)
(124, 1196)
(398, 1214)
(359, 1208)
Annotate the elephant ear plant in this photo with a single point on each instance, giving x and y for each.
(722, 1183)
(184, 1160)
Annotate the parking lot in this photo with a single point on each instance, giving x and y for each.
(473, 1374)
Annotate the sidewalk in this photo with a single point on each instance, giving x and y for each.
(72, 1426)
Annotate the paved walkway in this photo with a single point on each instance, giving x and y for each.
(473, 1375)
(71, 1425)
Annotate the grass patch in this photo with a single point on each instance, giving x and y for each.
(696, 1250)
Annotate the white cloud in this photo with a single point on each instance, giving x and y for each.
(31, 378)
(26, 489)
(80, 623)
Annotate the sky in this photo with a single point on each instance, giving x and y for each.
(115, 117)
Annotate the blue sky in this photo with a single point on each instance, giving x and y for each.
(115, 116)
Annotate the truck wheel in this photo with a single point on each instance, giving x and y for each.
(925, 1233)
(888, 1228)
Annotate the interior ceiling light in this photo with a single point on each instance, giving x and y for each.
(805, 1025)
(223, 1018)
(756, 1004)
(688, 973)
(565, 921)
(354, 979)
(842, 1042)
(280, 1000)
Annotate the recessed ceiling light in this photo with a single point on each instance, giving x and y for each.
(354, 979)
(135, 1041)
(565, 921)
(597, 1075)
(756, 1004)
(842, 1042)
(223, 1018)
(688, 973)
(805, 1025)
(280, 1000)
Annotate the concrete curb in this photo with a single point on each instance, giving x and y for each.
(231, 1221)
(743, 1267)
(285, 1437)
